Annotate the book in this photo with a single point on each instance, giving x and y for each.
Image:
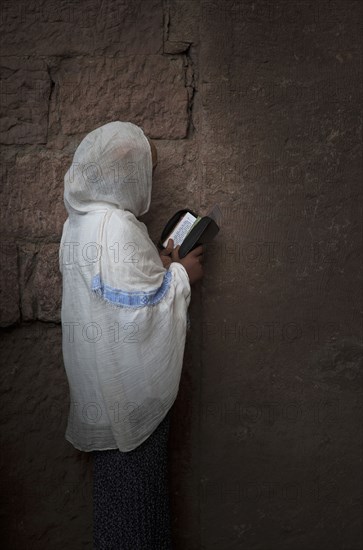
(189, 229)
(182, 229)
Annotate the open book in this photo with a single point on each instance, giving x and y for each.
(182, 228)
(187, 229)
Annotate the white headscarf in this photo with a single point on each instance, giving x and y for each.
(123, 314)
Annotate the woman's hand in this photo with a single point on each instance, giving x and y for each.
(165, 254)
(192, 262)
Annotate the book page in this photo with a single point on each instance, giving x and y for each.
(181, 229)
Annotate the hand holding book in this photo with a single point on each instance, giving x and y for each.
(192, 262)
(182, 228)
(189, 230)
(183, 237)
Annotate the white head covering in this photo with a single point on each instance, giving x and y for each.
(123, 314)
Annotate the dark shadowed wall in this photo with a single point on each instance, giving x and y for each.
(256, 106)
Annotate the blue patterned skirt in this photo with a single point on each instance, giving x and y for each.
(131, 507)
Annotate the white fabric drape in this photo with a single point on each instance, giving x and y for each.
(123, 314)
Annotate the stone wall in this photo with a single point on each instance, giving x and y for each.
(256, 106)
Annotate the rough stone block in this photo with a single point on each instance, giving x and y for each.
(40, 495)
(31, 197)
(9, 286)
(146, 90)
(40, 282)
(25, 91)
(116, 27)
(181, 25)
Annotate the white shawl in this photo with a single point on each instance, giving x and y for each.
(124, 315)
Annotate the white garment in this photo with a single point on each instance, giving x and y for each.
(123, 314)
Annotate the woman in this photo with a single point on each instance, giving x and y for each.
(124, 311)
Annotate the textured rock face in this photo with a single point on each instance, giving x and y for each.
(255, 106)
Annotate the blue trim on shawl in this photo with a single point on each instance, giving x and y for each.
(133, 299)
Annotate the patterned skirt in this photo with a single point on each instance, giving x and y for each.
(131, 507)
